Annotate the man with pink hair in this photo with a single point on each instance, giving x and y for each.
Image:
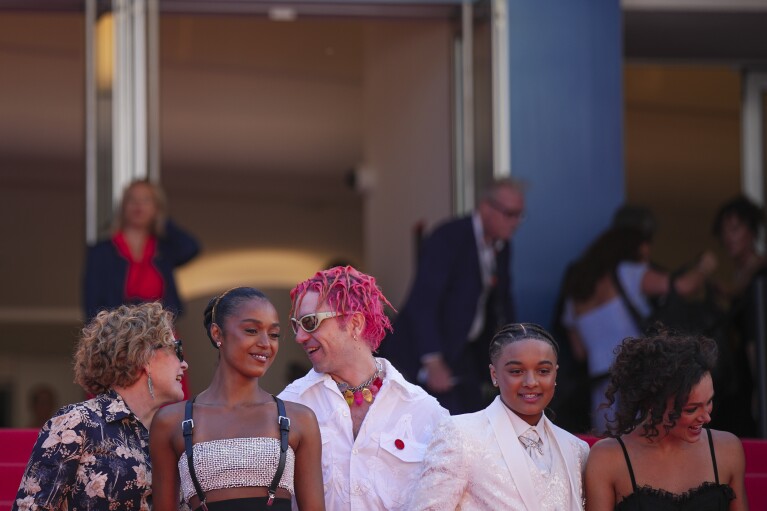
(375, 425)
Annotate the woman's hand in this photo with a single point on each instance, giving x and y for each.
(707, 263)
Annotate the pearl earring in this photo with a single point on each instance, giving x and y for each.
(218, 344)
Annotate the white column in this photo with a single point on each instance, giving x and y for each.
(466, 176)
(119, 91)
(501, 100)
(752, 125)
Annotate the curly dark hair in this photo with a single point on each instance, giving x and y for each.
(612, 247)
(649, 371)
(742, 208)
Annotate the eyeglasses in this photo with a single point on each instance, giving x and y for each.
(511, 214)
(178, 348)
(311, 322)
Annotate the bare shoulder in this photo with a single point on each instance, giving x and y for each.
(303, 424)
(300, 413)
(728, 447)
(725, 438)
(167, 420)
(605, 453)
(173, 413)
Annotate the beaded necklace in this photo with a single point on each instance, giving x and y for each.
(365, 391)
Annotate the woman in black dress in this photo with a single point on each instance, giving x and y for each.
(660, 455)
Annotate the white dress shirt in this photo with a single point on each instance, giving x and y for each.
(373, 471)
(486, 255)
(520, 427)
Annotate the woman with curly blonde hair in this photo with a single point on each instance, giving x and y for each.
(95, 454)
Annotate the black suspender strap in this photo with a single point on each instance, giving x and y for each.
(284, 424)
(186, 427)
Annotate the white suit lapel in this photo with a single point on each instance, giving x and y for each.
(513, 452)
(561, 446)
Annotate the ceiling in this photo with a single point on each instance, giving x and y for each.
(244, 93)
(729, 37)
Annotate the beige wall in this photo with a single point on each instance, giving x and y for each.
(682, 129)
(260, 124)
(408, 145)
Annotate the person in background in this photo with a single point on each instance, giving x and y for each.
(42, 404)
(660, 454)
(95, 454)
(375, 425)
(136, 264)
(572, 402)
(460, 295)
(737, 225)
(250, 451)
(509, 455)
(608, 293)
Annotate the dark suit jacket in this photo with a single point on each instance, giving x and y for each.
(443, 299)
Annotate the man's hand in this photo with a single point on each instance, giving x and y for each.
(439, 377)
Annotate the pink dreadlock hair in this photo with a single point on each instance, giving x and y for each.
(347, 291)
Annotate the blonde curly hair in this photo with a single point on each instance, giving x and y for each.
(116, 345)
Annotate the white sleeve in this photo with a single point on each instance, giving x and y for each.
(444, 477)
(630, 275)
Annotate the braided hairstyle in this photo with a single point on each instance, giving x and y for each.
(514, 332)
(222, 306)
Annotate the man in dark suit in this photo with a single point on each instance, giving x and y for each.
(460, 295)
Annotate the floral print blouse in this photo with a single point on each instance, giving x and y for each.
(92, 455)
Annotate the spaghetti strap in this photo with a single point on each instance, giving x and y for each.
(713, 455)
(628, 464)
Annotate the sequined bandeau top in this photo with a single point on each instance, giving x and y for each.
(235, 463)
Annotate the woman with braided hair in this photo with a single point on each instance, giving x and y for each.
(509, 455)
(235, 447)
(660, 454)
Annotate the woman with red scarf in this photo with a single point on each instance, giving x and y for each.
(136, 264)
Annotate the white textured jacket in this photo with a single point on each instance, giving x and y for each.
(475, 461)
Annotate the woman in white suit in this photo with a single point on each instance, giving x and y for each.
(509, 455)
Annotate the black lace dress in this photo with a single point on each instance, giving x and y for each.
(709, 496)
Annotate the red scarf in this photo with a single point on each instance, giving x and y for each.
(144, 282)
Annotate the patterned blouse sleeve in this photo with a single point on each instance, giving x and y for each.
(52, 472)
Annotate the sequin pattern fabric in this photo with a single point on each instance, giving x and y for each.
(235, 463)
